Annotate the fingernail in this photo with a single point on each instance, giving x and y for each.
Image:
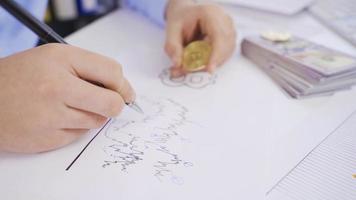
(211, 68)
(176, 73)
(176, 61)
(130, 98)
(133, 96)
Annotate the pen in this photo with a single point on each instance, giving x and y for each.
(43, 31)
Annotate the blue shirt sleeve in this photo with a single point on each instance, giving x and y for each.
(15, 37)
(153, 9)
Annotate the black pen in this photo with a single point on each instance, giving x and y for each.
(42, 30)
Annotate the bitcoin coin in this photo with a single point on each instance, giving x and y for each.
(196, 55)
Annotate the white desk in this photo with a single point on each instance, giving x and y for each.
(262, 118)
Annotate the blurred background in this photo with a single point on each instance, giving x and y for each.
(67, 16)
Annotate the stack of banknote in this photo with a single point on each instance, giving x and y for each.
(300, 67)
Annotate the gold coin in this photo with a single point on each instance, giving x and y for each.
(276, 36)
(196, 56)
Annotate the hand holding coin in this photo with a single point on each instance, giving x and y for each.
(200, 36)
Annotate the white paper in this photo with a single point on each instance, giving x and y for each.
(196, 140)
(287, 149)
(326, 172)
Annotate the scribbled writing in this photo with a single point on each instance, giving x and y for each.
(147, 140)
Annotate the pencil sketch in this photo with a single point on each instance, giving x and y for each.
(196, 80)
(152, 140)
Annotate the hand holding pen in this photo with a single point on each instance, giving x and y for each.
(46, 34)
(48, 98)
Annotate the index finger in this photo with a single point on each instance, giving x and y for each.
(221, 51)
(90, 98)
(100, 69)
(223, 39)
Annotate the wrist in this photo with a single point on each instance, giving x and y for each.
(175, 4)
(180, 1)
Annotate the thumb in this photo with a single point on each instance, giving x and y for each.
(217, 55)
(174, 44)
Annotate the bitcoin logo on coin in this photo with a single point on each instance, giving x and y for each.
(196, 56)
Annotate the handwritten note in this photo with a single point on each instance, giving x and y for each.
(150, 140)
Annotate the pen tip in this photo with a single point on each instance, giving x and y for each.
(134, 106)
